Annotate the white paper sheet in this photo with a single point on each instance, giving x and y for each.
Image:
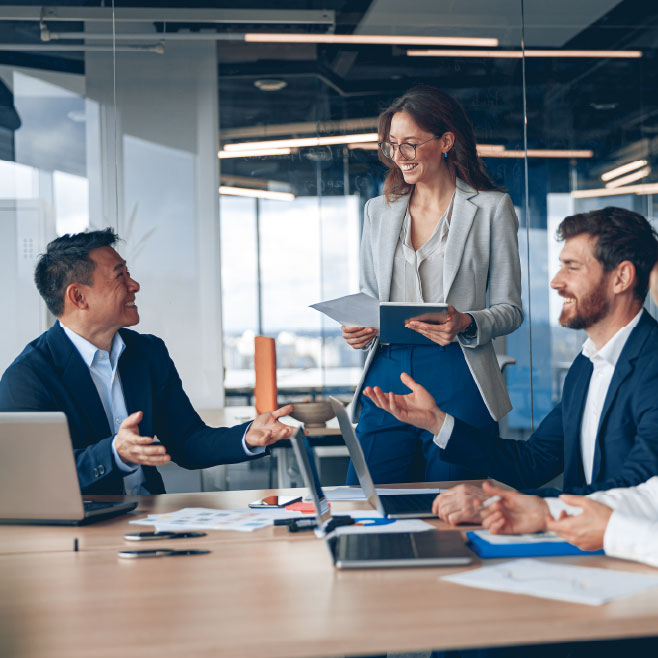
(358, 310)
(551, 580)
(356, 493)
(533, 538)
(201, 518)
(369, 522)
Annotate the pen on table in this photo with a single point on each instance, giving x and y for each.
(489, 501)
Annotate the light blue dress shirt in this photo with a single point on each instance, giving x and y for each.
(104, 371)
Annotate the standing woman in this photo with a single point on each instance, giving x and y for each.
(443, 233)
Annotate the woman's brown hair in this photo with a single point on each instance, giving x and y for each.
(437, 113)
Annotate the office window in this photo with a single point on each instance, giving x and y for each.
(129, 136)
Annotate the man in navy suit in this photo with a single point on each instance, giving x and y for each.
(604, 431)
(119, 389)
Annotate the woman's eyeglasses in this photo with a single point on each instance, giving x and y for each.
(407, 150)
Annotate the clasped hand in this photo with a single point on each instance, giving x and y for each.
(517, 513)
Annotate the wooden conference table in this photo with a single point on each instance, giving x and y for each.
(266, 594)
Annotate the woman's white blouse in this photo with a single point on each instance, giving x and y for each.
(418, 275)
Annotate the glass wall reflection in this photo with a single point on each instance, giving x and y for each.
(146, 125)
(589, 92)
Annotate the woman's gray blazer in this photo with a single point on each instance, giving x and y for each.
(481, 276)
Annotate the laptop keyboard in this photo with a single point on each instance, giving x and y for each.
(408, 503)
(393, 545)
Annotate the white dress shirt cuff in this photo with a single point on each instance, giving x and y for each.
(442, 438)
(121, 465)
(556, 507)
(253, 451)
(631, 538)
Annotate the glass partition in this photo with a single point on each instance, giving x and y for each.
(589, 81)
(233, 148)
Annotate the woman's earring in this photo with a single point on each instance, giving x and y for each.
(445, 155)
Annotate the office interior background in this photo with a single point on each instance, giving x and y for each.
(232, 145)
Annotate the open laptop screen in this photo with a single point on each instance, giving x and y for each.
(306, 461)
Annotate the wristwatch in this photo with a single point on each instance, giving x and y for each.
(472, 330)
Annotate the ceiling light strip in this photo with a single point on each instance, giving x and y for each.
(518, 54)
(371, 39)
(301, 142)
(623, 169)
(369, 141)
(630, 178)
(251, 153)
(255, 194)
(645, 188)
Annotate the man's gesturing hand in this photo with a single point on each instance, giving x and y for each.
(136, 449)
(267, 429)
(416, 408)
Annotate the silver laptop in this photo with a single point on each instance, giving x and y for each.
(432, 548)
(39, 482)
(409, 506)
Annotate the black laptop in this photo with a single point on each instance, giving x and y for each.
(394, 506)
(431, 548)
(39, 482)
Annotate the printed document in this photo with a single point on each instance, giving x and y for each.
(370, 521)
(531, 538)
(551, 580)
(358, 310)
(200, 518)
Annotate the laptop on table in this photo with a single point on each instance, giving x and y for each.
(39, 482)
(432, 548)
(394, 506)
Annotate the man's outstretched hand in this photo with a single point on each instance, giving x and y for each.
(136, 449)
(416, 408)
(266, 428)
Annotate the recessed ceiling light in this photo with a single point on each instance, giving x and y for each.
(270, 84)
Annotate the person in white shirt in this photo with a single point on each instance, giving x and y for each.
(604, 432)
(623, 522)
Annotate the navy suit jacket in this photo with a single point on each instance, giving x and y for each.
(626, 451)
(50, 375)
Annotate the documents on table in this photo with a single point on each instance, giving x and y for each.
(370, 521)
(562, 582)
(356, 493)
(358, 310)
(201, 518)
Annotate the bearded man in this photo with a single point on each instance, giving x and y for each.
(604, 432)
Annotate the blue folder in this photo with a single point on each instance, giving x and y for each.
(392, 316)
(486, 549)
